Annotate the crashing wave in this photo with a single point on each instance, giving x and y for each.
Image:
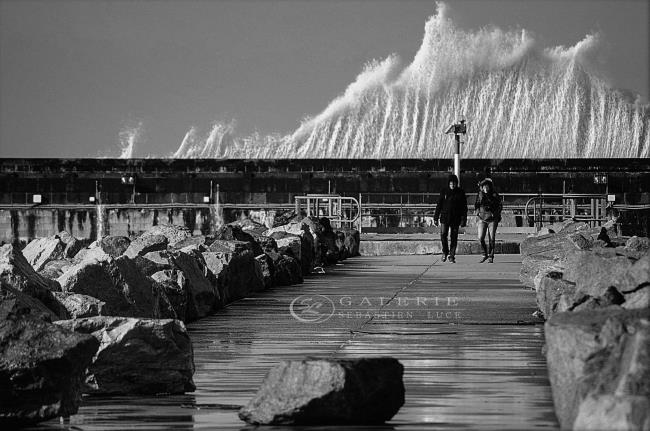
(520, 101)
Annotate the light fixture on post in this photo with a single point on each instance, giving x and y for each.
(457, 129)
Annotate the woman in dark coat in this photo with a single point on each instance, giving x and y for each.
(451, 212)
(488, 213)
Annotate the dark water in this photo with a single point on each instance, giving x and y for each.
(464, 333)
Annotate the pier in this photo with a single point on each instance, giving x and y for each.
(471, 349)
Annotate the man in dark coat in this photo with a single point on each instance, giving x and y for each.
(451, 212)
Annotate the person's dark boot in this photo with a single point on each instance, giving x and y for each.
(483, 259)
(444, 258)
(491, 260)
(452, 259)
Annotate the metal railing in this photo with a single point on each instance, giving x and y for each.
(548, 208)
(340, 210)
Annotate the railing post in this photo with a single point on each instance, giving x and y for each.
(360, 213)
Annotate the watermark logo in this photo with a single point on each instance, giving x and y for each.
(312, 308)
(319, 308)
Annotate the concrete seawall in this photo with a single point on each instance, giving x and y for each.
(414, 244)
(92, 221)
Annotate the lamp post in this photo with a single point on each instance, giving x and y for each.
(457, 129)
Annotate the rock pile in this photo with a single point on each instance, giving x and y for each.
(127, 299)
(595, 295)
(327, 392)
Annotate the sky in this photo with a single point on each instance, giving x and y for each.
(74, 74)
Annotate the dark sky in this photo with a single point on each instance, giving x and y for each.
(73, 74)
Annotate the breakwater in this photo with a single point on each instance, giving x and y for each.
(125, 197)
(594, 292)
(133, 295)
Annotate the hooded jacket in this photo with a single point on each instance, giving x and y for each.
(452, 207)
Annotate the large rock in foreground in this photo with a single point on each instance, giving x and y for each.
(42, 368)
(137, 356)
(596, 355)
(319, 392)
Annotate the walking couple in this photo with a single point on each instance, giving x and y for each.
(451, 213)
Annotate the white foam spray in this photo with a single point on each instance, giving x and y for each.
(520, 101)
(129, 137)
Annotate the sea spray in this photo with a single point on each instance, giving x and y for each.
(129, 137)
(520, 101)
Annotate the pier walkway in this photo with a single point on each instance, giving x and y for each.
(464, 332)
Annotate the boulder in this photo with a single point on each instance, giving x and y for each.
(363, 391)
(174, 234)
(145, 244)
(637, 299)
(14, 303)
(137, 356)
(72, 245)
(310, 249)
(329, 250)
(267, 269)
(223, 246)
(283, 217)
(116, 282)
(351, 242)
(597, 352)
(287, 243)
(611, 412)
(114, 246)
(91, 253)
(235, 233)
(199, 242)
(152, 262)
(18, 273)
(567, 226)
(637, 276)
(42, 368)
(55, 268)
(555, 246)
(171, 283)
(638, 245)
(268, 244)
(593, 273)
(249, 226)
(553, 294)
(237, 273)
(79, 306)
(533, 267)
(191, 273)
(42, 250)
(287, 269)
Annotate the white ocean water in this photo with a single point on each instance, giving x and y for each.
(520, 100)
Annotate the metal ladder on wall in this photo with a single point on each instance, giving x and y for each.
(342, 211)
